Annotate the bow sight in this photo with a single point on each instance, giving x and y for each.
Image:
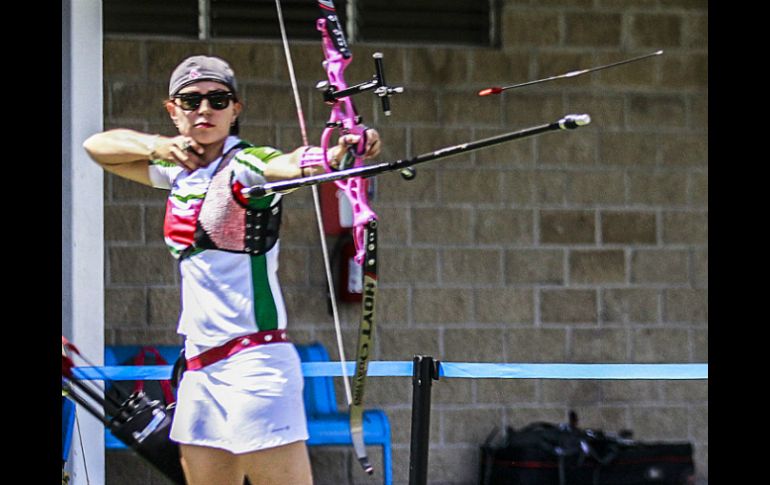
(332, 95)
(377, 83)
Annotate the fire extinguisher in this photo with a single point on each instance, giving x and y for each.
(338, 222)
(349, 273)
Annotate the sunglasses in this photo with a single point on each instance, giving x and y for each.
(217, 100)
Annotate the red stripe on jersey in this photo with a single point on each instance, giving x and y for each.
(178, 225)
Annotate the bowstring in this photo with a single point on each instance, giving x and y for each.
(82, 448)
(317, 206)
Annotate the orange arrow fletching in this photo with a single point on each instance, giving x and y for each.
(492, 90)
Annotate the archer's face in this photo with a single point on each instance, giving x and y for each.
(205, 111)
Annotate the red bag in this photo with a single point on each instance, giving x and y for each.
(155, 390)
(165, 386)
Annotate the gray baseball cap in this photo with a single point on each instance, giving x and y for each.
(201, 68)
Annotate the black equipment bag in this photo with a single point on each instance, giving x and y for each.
(548, 454)
(144, 425)
(143, 420)
(138, 421)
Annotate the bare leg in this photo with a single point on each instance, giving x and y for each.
(288, 464)
(203, 465)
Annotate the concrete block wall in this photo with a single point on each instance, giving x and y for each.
(584, 246)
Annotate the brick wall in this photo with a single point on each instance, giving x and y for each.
(584, 246)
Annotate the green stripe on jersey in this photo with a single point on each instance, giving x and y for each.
(250, 162)
(253, 158)
(263, 153)
(188, 197)
(265, 311)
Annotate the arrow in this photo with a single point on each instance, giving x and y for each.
(498, 90)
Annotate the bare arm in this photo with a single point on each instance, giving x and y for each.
(127, 152)
(288, 166)
(123, 152)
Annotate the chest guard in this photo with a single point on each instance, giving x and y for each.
(229, 224)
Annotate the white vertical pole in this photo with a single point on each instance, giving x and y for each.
(82, 217)
(204, 20)
(351, 25)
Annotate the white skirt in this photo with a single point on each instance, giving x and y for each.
(247, 402)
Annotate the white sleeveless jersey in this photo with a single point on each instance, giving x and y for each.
(224, 294)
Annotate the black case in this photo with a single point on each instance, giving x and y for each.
(144, 425)
(547, 454)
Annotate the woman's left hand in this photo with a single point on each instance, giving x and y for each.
(373, 144)
(371, 150)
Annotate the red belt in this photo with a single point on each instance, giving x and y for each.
(234, 346)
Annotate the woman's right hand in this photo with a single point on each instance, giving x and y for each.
(181, 150)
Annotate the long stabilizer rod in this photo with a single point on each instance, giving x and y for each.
(569, 122)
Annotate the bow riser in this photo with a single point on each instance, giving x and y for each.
(345, 119)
